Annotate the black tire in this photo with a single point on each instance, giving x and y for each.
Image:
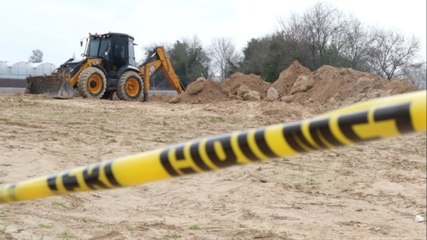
(92, 83)
(130, 86)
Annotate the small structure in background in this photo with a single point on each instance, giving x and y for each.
(14, 76)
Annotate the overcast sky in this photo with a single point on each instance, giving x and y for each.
(56, 27)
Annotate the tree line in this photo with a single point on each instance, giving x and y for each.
(321, 35)
(324, 35)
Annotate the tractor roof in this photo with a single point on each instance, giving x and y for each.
(110, 34)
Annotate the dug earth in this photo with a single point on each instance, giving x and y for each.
(372, 190)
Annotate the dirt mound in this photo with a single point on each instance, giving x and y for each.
(201, 91)
(288, 77)
(327, 86)
(253, 82)
(238, 86)
(331, 84)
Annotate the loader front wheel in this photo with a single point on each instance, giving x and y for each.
(92, 83)
(130, 86)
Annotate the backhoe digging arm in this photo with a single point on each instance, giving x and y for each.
(158, 59)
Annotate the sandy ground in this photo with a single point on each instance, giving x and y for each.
(369, 191)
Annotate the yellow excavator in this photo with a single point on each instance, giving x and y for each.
(109, 66)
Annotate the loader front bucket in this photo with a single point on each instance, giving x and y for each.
(56, 85)
(66, 91)
(44, 85)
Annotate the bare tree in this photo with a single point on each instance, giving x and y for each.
(296, 38)
(324, 26)
(36, 57)
(389, 51)
(223, 55)
(355, 47)
(320, 34)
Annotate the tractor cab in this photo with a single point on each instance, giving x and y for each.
(116, 50)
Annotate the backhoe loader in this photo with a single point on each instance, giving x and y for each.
(109, 66)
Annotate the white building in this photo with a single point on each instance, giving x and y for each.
(21, 70)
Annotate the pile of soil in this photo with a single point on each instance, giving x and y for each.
(288, 77)
(331, 85)
(204, 91)
(254, 82)
(326, 86)
(201, 91)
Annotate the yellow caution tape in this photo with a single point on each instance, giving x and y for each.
(380, 118)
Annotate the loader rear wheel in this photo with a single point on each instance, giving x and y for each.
(92, 83)
(129, 86)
